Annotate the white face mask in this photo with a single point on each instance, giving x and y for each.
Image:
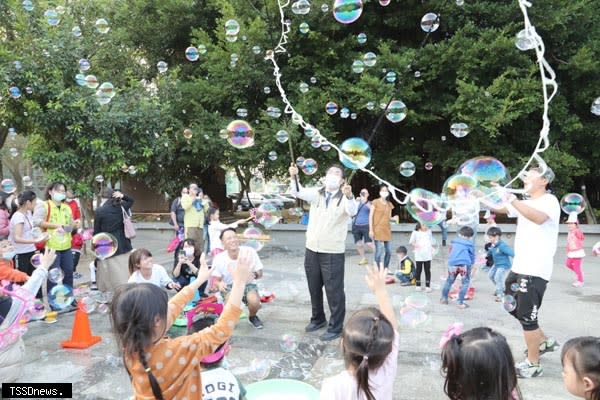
(383, 195)
(189, 251)
(332, 182)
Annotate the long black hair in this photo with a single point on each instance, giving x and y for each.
(584, 355)
(134, 310)
(367, 341)
(478, 364)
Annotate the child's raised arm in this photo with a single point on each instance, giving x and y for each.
(376, 281)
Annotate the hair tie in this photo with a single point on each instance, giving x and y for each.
(453, 330)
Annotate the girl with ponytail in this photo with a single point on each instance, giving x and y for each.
(370, 346)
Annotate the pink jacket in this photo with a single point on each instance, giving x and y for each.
(575, 240)
(4, 223)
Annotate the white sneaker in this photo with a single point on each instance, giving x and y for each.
(418, 288)
(427, 290)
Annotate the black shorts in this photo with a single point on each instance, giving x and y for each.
(361, 232)
(528, 292)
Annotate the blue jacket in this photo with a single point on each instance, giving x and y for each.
(462, 253)
(501, 253)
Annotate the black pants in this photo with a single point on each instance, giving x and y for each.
(24, 264)
(326, 269)
(420, 266)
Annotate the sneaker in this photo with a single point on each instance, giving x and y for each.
(443, 301)
(255, 322)
(363, 262)
(462, 306)
(444, 243)
(577, 284)
(547, 346)
(418, 288)
(427, 289)
(77, 275)
(525, 369)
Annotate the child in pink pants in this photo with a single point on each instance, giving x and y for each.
(575, 251)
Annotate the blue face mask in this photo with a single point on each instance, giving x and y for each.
(58, 196)
(9, 255)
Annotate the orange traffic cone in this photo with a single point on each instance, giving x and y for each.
(81, 337)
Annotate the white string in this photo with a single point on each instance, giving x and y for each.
(548, 77)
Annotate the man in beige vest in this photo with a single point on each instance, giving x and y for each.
(330, 210)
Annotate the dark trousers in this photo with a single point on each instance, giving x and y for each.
(24, 265)
(423, 265)
(326, 269)
(64, 260)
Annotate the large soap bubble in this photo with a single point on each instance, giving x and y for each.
(252, 237)
(192, 54)
(426, 207)
(102, 25)
(240, 134)
(104, 245)
(61, 297)
(355, 153)
(407, 169)
(331, 108)
(396, 111)
(309, 166)
(347, 11)
(301, 7)
(282, 136)
(459, 129)
(458, 187)
(267, 214)
(572, 203)
(232, 27)
(491, 176)
(430, 22)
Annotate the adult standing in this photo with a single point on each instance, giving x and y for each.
(21, 236)
(59, 224)
(223, 264)
(360, 226)
(380, 229)
(324, 258)
(195, 205)
(108, 218)
(177, 211)
(76, 239)
(535, 245)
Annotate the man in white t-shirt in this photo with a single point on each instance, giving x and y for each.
(535, 244)
(227, 260)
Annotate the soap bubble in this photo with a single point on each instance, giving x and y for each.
(84, 64)
(102, 25)
(267, 90)
(188, 133)
(27, 5)
(252, 237)
(355, 153)
(309, 131)
(27, 181)
(240, 134)
(61, 297)
(300, 162)
(232, 27)
(572, 203)
(231, 38)
(256, 49)
(288, 343)
(80, 79)
(162, 67)
(428, 166)
(91, 81)
(107, 89)
(459, 129)
(301, 7)
(460, 2)
(303, 87)
(14, 92)
(260, 368)
(241, 112)
(331, 108)
(459, 186)
(38, 310)
(192, 54)
(267, 215)
(274, 112)
(309, 166)
(414, 312)
(353, 116)
(304, 28)
(132, 170)
(347, 11)
(324, 8)
(369, 59)
(390, 77)
(417, 74)
(430, 22)
(595, 109)
(407, 169)
(509, 303)
(344, 112)
(52, 17)
(313, 80)
(99, 178)
(234, 58)
(76, 31)
(426, 207)
(491, 176)
(370, 106)
(315, 141)
(525, 40)
(272, 155)
(361, 38)
(396, 111)
(282, 136)
(104, 245)
(56, 275)
(384, 3)
(325, 146)
(514, 287)
(36, 260)
(358, 67)
(88, 305)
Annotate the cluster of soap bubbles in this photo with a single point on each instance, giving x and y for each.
(288, 343)
(414, 312)
(308, 165)
(240, 134)
(267, 214)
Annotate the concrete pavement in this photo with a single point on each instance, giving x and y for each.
(97, 372)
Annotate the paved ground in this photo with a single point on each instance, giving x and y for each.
(97, 372)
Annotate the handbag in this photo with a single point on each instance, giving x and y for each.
(128, 224)
(173, 244)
